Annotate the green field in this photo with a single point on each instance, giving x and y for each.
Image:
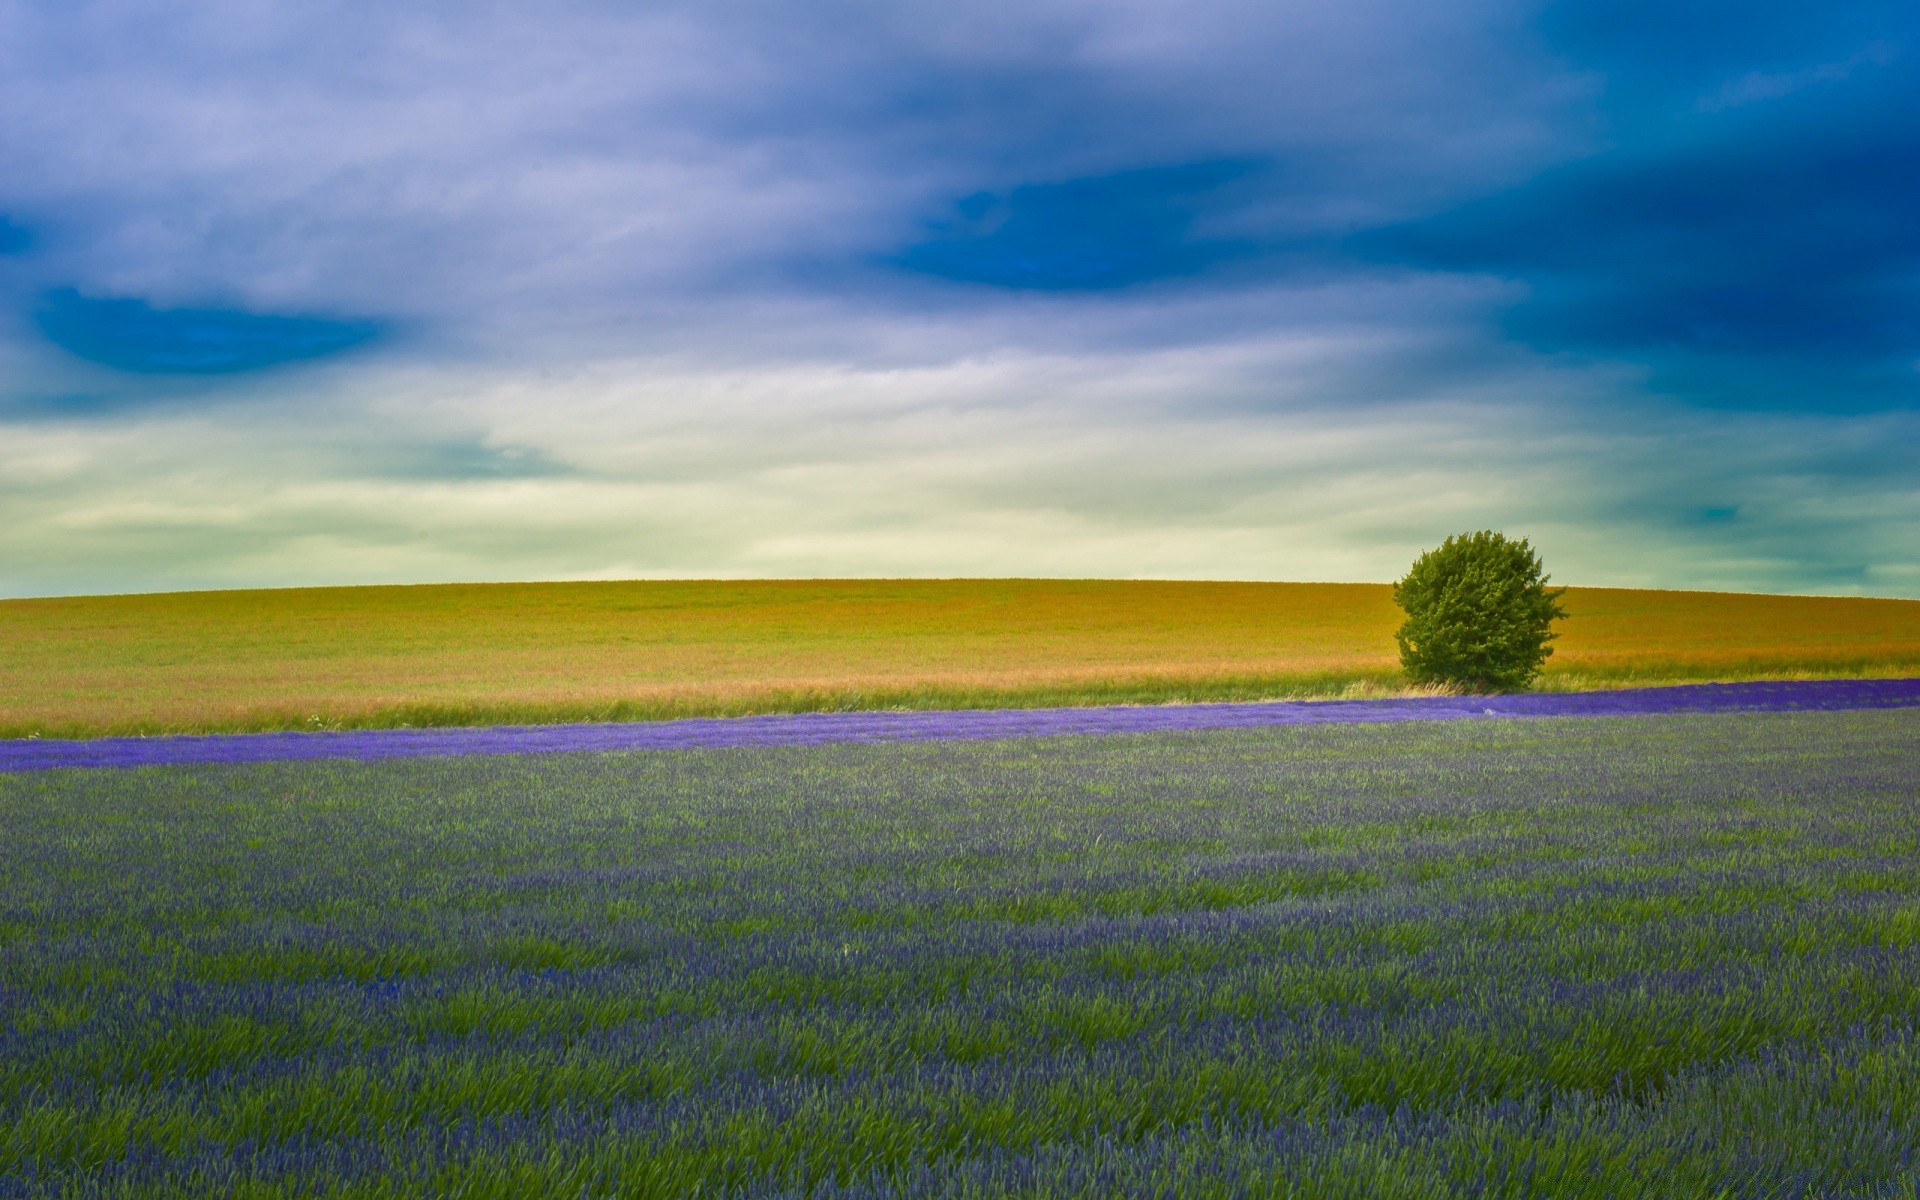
(1590, 959)
(508, 653)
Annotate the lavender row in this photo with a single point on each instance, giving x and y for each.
(828, 728)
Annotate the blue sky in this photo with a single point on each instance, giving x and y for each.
(375, 292)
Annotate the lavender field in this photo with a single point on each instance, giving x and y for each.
(1659, 955)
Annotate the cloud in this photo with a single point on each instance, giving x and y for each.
(1766, 256)
(1102, 232)
(132, 335)
(1659, 58)
(1229, 287)
(1026, 463)
(484, 171)
(1759, 86)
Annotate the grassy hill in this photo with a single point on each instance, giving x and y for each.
(493, 653)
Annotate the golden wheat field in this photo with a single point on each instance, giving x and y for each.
(490, 653)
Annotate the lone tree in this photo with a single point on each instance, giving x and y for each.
(1478, 610)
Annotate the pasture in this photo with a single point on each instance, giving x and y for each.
(1667, 956)
(531, 653)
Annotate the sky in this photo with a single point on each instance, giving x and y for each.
(337, 292)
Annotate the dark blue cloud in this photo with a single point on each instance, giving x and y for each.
(1656, 57)
(13, 239)
(132, 335)
(1752, 237)
(1091, 234)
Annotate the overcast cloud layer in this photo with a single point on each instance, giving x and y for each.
(365, 292)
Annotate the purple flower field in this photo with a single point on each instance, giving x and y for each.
(1671, 955)
(828, 728)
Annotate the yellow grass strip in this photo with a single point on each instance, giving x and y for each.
(499, 653)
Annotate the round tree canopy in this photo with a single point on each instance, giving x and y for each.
(1478, 614)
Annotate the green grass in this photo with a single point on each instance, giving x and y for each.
(529, 653)
(1626, 957)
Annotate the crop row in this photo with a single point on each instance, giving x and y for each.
(813, 729)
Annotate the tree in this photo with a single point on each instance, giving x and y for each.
(1478, 614)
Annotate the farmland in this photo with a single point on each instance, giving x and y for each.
(1667, 956)
(514, 653)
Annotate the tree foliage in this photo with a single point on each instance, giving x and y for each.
(1478, 614)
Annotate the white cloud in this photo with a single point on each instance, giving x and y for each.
(1021, 464)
